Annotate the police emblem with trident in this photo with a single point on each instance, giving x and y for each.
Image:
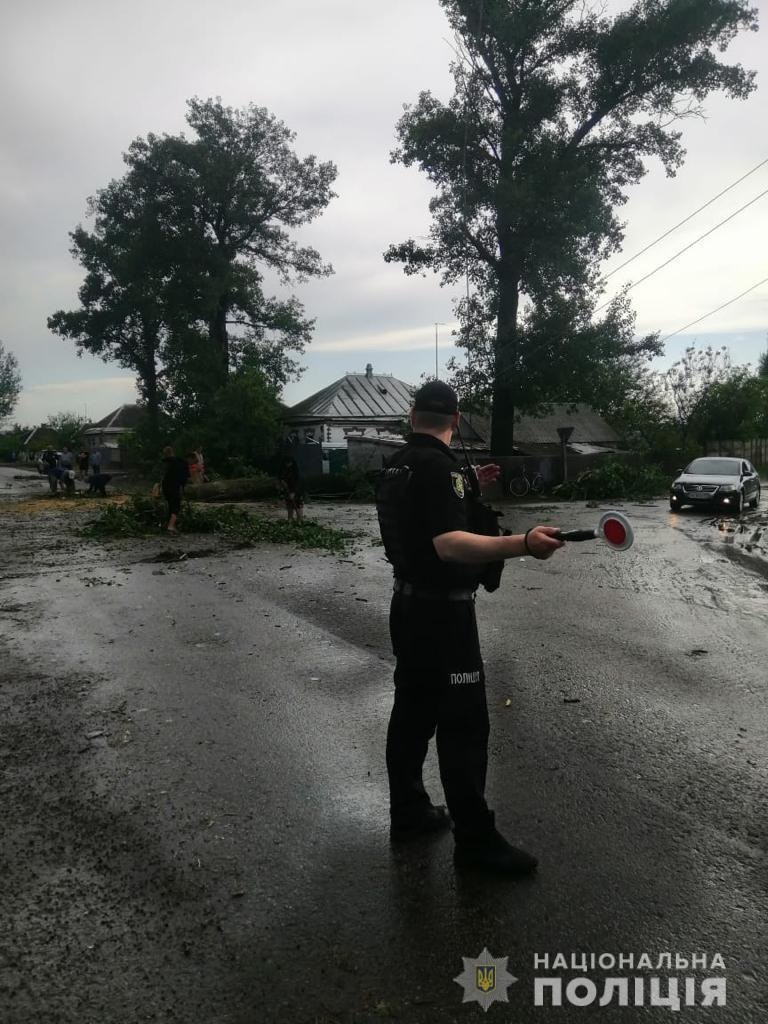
(485, 980)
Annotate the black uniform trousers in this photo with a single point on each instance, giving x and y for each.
(439, 691)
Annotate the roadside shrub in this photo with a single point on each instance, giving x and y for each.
(615, 480)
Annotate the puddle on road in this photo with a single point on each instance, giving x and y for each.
(729, 543)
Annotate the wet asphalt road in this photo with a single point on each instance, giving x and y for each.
(195, 795)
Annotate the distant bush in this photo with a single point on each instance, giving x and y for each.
(615, 480)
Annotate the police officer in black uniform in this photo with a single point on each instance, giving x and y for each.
(426, 508)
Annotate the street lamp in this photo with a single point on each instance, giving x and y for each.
(564, 433)
(437, 324)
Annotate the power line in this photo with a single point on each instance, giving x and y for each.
(689, 246)
(508, 375)
(686, 219)
(713, 311)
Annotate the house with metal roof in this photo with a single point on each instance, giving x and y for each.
(358, 421)
(39, 438)
(105, 434)
(357, 405)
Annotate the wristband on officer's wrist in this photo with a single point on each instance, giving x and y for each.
(525, 543)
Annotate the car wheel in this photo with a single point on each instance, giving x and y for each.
(740, 503)
(756, 500)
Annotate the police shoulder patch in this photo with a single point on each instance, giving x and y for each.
(458, 484)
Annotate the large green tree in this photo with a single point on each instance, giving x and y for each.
(557, 108)
(564, 355)
(732, 408)
(129, 296)
(762, 364)
(176, 257)
(10, 382)
(68, 428)
(235, 191)
(245, 429)
(689, 381)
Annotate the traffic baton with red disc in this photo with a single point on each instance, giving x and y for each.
(614, 528)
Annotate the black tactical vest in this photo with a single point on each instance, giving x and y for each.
(394, 511)
(392, 505)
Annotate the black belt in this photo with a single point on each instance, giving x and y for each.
(408, 590)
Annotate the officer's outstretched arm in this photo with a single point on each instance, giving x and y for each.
(473, 548)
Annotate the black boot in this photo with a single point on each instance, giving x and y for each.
(426, 819)
(490, 851)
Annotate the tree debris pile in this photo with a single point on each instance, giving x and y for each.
(142, 516)
(615, 480)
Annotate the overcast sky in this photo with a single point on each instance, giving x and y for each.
(83, 78)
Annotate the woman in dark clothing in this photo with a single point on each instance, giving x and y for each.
(290, 485)
(175, 476)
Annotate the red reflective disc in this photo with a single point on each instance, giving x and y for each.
(614, 531)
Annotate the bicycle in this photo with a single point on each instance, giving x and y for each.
(519, 486)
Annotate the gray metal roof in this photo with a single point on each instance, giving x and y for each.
(589, 427)
(125, 417)
(379, 396)
(357, 396)
(592, 449)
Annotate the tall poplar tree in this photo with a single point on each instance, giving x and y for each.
(557, 109)
(178, 250)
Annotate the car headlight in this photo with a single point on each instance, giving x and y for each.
(728, 488)
(677, 487)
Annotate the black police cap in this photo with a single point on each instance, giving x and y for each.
(436, 396)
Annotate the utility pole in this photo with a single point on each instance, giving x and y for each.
(564, 434)
(437, 324)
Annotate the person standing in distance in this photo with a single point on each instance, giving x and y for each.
(83, 460)
(424, 504)
(292, 489)
(175, 477)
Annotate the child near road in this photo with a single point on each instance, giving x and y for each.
(196, 466)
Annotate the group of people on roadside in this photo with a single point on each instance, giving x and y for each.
(66, 466)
